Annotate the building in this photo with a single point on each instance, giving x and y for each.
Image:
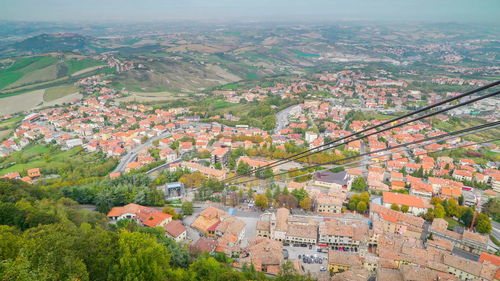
(468, 241)
(208, 219)
(417, 205)
(142, 215)
(340, 180)
(328, 205)
(339, 234)
(264, 254)
(341, 261)
(220, 156)
(176, 230)
(302, 234)
(172, 190)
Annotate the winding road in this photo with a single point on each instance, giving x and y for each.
(282, 117)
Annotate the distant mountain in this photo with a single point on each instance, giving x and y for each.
(58, 42)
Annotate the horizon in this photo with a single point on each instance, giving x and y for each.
(326, 11)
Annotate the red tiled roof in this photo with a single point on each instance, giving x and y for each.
(175, 228)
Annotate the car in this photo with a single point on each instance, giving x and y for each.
(296, 245)
(304, 260)
(322, 268)
(300, 256)
(310, 247)
(286, 244)
(303, 245)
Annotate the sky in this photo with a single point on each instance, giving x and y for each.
(477, 11)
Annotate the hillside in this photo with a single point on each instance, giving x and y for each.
(45, 43)
(23, 71)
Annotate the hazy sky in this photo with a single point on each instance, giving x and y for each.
(247, 10)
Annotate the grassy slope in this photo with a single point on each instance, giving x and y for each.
(22, 67)
(77, 65)
(34, 157)
(59, 92)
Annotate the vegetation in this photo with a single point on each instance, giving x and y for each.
(107, 193)
(59, 92)
(359, 202)
(44, 238)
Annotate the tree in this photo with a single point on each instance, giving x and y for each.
(439, 211)
(361, 207)
(436, 200)
(359, 184)
(405, 208)
(140, 257)
(429, 216)
(195, 179)
(243, 169)
(491, 208)
(306, 203)
(451, 207)
(261, 201)
(299, 193)
(395, 207)
(187, 208)
(467, 216)
(483, 223)
(169, 210)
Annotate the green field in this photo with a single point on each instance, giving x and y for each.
(31, 71)
(77, 65)
(70, 164)
(59, 92)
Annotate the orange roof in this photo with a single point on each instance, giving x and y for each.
(403, 199)
(153, 219)
(175, 228)
(490, 258)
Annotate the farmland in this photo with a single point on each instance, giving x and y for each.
(55, 93)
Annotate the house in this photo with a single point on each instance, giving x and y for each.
(264, 254)
(132, 166)
(341, 261)
(468, 241)
(328, 205)
(143, 215)
(208, 219)
(176, 230)
(344, 234)
(302, 234)
(220, 156)
(34, 173)
(339, 180)
(168, 155)
(203, 245)
(417, 205)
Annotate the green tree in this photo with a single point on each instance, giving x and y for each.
(483, 223)
(261, 201)
(359, 184)
(405, 208)
(451, 207)
(243, 169)
(395, 207)
(187, 208)
(361, 207)
(299, 193)
(467, 216)
(306, 203)
(439, 211)
(140, 257)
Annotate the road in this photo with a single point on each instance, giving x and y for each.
(495, 231)
(132, 155)
(282, 117)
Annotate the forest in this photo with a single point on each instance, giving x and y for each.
(45, 236)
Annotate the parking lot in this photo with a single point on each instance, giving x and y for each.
(312, 267)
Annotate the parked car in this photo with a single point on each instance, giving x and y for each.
(286, 244)
(322, 268)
